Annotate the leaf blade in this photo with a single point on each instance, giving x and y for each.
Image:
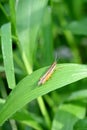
(66, 116)
(7, 54)
(28, 26)
(27, 90)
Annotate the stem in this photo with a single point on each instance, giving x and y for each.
(13, 15)
(24, 57)
(27, 65)
(44, 111)
(13, 124)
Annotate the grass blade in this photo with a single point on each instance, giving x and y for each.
(7, 54)
(28, 119)
(47, 37)
(27, 28)
(13, 15)
(27, 89)
(67, 115)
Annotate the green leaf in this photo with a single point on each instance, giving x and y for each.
(2, 101)
(1, 68)
(78, 27)
(66, 116)
(28, 119)
(12, 4)
(47, 37)
(27, 89)
(81, 125)
(27, 27)
(7, 54)
(78, 95)
(77, 8)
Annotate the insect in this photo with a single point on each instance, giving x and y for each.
(48, 74)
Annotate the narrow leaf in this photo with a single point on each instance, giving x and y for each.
(7, 54)
(12, 4)
(28, 26)
(28, 88)
(47, 37)
(66, 116)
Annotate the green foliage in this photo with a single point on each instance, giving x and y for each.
(23, 94)
(66, 116)
(27, 27)
(78, 27)
(34, 33)
(81, 124)
(7, 54)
